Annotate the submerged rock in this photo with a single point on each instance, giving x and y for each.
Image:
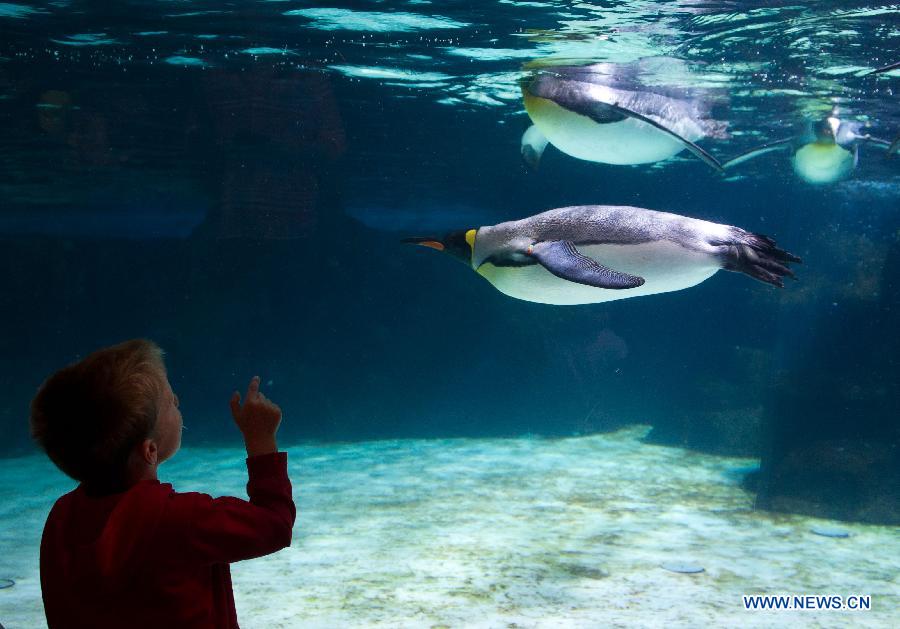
(826, 531)
(682, 567)
(726, 431)
(832, 444)
(837, 479)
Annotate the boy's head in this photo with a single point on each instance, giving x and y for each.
(94, 416)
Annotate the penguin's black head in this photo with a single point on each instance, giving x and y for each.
(458, 244)
(825, 129)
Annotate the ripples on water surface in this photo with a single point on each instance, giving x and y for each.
(777, 60)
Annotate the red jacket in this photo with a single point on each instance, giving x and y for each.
(151, 557)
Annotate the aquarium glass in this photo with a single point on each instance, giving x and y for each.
(483, 427)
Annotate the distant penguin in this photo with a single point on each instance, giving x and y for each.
(827, 152)
(605, 113)
(596, 253)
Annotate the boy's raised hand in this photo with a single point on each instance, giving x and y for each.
(257, 419)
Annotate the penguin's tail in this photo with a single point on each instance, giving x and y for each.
(757, 256)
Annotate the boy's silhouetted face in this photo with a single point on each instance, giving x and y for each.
(162, 443)
(168, 425)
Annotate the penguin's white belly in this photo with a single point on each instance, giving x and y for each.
(664, 265)
(629, 141)
(823, 163)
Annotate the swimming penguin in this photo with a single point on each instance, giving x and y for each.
(604, 113)
(595, 253)
(827, 152)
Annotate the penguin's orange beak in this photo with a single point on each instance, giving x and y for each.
(459, 244)
(426, 242)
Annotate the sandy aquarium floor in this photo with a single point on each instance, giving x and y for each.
(503, 533)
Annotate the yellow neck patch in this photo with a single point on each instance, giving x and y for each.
(470, 238)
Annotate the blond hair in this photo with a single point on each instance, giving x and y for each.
(88, 416)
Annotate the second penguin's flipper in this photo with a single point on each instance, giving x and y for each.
(894, 147)
(561, 258)
(777, 145)
(698, 152)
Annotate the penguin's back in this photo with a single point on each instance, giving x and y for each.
(599, 224)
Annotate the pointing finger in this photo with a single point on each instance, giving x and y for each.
(253, 388)
(235, 403)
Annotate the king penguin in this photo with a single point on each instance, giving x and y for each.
(828, 151)
(604, 112)
(596, 253)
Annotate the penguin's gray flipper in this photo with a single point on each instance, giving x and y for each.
(885, 144)
(599, 112)
(777, 145)
(561, 258)
(887, 68)
(894, 147)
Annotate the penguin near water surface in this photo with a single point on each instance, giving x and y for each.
(596, 253)
(828, 151)
(615, 113)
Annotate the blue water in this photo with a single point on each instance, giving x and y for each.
(233, 180)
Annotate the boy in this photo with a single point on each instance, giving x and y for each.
(122, 549)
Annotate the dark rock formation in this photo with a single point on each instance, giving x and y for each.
(832, 432)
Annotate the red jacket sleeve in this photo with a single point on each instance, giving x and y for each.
(224, 530)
